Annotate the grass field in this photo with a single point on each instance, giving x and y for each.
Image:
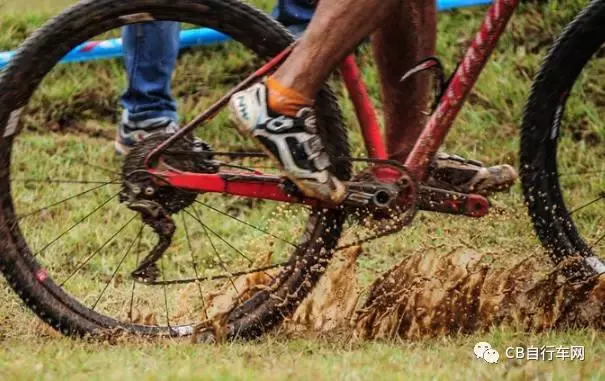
(71, 119)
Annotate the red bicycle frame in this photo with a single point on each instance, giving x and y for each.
(258, 185)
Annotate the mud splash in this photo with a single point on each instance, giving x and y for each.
(432, 294)
(328, 307)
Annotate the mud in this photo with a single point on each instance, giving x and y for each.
(431, 294)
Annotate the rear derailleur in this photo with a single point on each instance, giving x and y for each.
(154, 215)
(153, 199)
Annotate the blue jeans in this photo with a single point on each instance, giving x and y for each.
(150, 53)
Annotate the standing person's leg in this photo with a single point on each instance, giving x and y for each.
(150, 54)
(294, 14)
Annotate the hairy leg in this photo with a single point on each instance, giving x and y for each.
(407, 36)
(405, 32)
(336, 28)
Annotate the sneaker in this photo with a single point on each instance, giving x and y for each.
(469, 176)
(292, 141)
(129, 135)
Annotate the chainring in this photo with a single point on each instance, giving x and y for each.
(186, 154)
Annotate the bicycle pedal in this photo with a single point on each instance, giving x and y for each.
(450, 202)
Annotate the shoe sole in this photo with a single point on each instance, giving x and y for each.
(336, 196)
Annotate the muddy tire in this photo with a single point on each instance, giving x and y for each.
(41, 52)
(551, 218)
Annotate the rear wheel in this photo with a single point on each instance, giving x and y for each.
(67, 246)
(563, 147)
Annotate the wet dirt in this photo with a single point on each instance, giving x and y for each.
(433, 293)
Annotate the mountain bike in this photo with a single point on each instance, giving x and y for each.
(110, 274)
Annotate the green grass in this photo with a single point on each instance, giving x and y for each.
(279, 359)
(71, 119)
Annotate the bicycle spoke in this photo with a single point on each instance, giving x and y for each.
(219, 277)
(134, 282)
(61, 181)
(194, 264)
(596, 242)
(601, 196)
(28, 214)
(218, 256)
(97, 251)
(118, 267)
(102, 168)
(165, 292)
(250, 261)
(245, 223)
(76, 224)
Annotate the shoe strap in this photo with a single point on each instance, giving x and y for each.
(315, 152)
(280, 124)
(458, 159)
(305, 119)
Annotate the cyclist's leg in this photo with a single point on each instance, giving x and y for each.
(279, 113)
(336, 28)
(407, 36)
(150, 53)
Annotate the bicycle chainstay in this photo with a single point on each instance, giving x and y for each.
(290, 187)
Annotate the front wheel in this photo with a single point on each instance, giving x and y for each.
(68, 247)
(563, 147)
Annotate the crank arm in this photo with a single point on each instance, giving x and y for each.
(445, 201)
